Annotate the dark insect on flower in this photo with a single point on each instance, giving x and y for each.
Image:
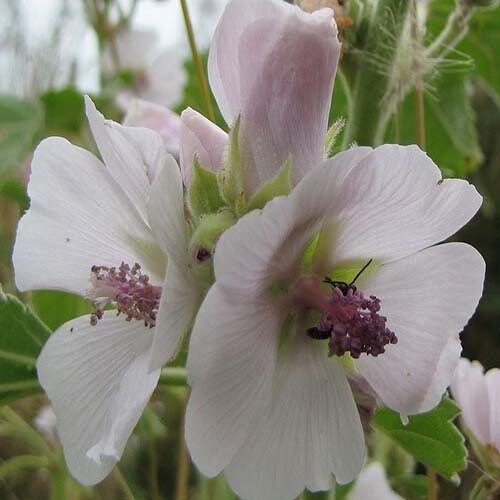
(342, 285)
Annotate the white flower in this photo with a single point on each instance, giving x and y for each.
(88, 225)
(268, 405)
(160, 78)
(478, 394)
(372, 484)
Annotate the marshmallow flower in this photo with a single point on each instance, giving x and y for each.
(372, 484)
(270, 403)
(478, 394)
(105, 231)
(273, 65)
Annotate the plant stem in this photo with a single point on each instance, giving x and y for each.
(454, 31)
(319, 495)
(173, 376)
(202, 79)
(120, 479)
(368, 116)
(432, 485)
(181, 489)
(153, 470)
(20, 462)
(419, 84)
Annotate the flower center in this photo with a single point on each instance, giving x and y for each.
(349, 321)
(129, 289)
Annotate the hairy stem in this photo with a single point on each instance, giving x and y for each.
(181, 489)
(432, 485)
(202, 79)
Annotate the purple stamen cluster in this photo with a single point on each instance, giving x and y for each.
(352, 324)
(131, 291)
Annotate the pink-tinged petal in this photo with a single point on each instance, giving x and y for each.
(79, 217)
(132, 155)
(427, 298)
(395, 203)
(98, 382)
(201, 138)
(309, 430)
(165, 78)
(275, 64)
(232, 356)
(469, 391)
(493, 388)
(181, 293)
(372, 484)
(140, 113)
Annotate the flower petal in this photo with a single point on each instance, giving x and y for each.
(493, 388)
(372, 483)
(98, 382)
(132, 155)
(181, 293)
(394, 203)
(79, 217)
(471, 394)
(275, 64)
(310, 430)
(231, 360)
(427, 298)
(201, 138)
(140, 113)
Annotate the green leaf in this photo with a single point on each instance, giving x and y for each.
(278, 185)
(64, 110)
(12, 189)
(203, 192)
(55, 308)
(451, 136)
(20, 122)
(412, 487)
(22, 336)
(430, 438)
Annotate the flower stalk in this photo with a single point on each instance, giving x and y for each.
(202, 79)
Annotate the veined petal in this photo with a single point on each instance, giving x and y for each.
(275, 64)
(471, 394)
(79, 217)
(395, 203)
(309, 431)
(133, 156)
(181, 293)
(98, 382)
(372, 483)
(493, 387)
(202, 138)
(140, 113)
(231, 361)
(427, 298)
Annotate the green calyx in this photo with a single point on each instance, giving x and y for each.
(209, 228)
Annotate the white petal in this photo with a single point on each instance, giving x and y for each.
(231, 360)
(79, 217)
(395, 203)
(427, 298)
(470, 392)
(166, 211)
(372, 484)
(493, 388)
(181, 294)
(310, 430)
(98, 382)
(132, 155)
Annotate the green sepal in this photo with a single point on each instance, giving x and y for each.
(331, 136)
(279, 185)
(210, 227)
(203, 193)
(229, 178)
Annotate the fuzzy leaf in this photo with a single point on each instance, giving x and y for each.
(278, 185)
(22, 336)
(203, 195)
(430, 438)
